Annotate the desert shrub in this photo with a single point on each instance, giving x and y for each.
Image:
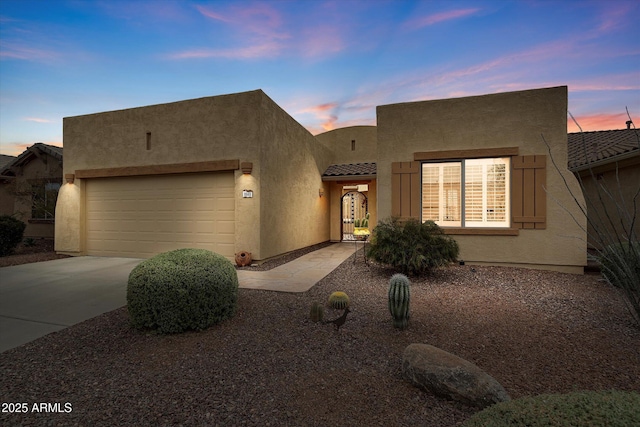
(588, 408)
(621, 267)
(412, 247)
(182, 290)
(621, 264)
(11, 232)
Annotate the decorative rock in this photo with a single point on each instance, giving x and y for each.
(450, 376)
(243, 258)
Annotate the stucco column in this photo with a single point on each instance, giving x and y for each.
(68, 224)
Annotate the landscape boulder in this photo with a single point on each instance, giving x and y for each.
(450, 376)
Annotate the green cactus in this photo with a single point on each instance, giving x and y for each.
(356, 223)
(339, 300)
(399, 298)
(317, 312)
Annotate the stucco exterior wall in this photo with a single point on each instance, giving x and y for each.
(514, 119)
(292, 213)
(364, 140)
(213, 128)
(285, 212)
(339, 143)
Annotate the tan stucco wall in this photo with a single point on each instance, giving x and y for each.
(339, 143)
(212, 128)
(285, 212)
(514, 119)
(610, 201)
(293, 215)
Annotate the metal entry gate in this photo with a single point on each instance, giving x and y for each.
(354, 206)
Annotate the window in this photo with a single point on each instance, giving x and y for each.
(44, 197)
(466, 193)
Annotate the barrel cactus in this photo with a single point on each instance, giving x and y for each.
(339, 300)
(317, 312)
(399, 298)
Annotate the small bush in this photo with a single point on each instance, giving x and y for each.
(588, 408)
(182, 290)
(621, 263)
(621, 268)
(412, 247)
(11, 232)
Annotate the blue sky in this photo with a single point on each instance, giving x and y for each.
(327, 63)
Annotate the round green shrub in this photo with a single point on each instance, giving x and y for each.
(586, 408)
(185, 289)
(11, 232)
(412, 247)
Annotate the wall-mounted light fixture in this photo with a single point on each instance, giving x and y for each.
(321, 192)
(246, 167)
(70, 177)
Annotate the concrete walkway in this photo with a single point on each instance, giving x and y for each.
(300, 274)
(41, 298)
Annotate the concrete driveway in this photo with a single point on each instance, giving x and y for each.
(40, 298)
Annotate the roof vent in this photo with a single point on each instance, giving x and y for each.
(629, 122)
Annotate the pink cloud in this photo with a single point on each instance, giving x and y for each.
(268, 49)
(318, 109)
(425, 21)
(22, 52)
(321, 41)
(260, 31)
(211, 14)
(594, 122)
(37, 120)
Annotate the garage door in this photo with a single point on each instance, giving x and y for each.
(143, 216)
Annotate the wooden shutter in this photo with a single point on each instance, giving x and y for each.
(528, 195)
(405, 190)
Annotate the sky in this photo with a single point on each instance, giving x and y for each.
(327, 63)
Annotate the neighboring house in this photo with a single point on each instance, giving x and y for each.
(29, 187)
(6, 194)
(236, 172)
(607, 163)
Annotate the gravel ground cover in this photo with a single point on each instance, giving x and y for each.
(38, 250)
(535, 332)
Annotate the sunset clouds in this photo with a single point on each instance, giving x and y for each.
(260, 31)
(428, 20)
(328, 63)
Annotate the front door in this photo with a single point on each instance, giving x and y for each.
(354, 206)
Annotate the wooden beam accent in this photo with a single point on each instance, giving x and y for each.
(466, 154)
(211, 166)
